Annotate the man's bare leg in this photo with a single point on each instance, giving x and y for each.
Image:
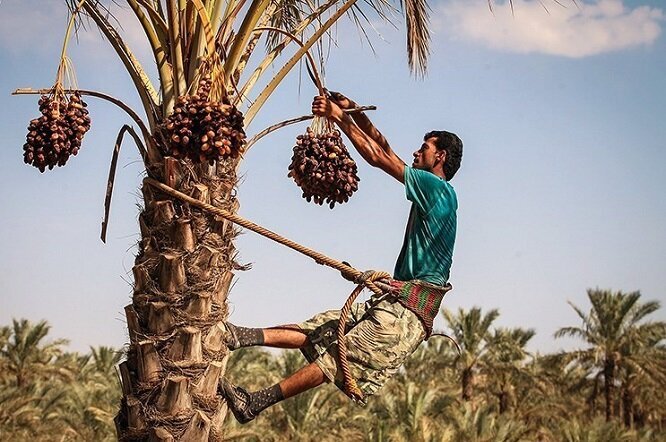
(284, 337)
(245, 405)
(304, 379)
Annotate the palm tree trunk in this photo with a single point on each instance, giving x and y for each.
(628, 407)
(467, 384)
(182, 276)
(503, 402)
(609, 387)
(592, 399)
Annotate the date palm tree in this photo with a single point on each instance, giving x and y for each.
(471, 329)
(26, 355)
(547, 394)
(642, 375)
(90, 399)
(186, 259)
(616, 331)
(506, 367)
(31, 377)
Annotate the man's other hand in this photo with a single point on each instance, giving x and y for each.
(341, 100)
(323, 107)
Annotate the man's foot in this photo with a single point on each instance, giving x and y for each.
(238, 400)
(231, 336)
(236, 337)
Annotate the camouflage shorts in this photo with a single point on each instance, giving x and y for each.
(381, 334)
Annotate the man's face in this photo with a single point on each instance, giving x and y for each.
(427, 157)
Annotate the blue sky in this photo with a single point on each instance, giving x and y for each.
(561, 187)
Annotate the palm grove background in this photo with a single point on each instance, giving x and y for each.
(609, 389)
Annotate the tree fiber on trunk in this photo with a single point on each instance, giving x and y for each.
(182, 276)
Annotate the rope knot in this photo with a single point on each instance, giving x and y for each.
(349, 274)
(368, 279)
(365, 277)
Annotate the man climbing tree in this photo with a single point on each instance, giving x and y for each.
(384, 331)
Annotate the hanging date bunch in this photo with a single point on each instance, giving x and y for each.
(203, 127)
(57, 134)
(321, 165)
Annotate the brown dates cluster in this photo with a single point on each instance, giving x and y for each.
(322, 168)
(58, 133)
(203, 130)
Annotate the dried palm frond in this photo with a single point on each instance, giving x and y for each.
(417, 18)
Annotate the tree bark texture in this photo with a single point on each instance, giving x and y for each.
(182, 276)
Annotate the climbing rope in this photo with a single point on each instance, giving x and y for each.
(351, 388)
(373, 280)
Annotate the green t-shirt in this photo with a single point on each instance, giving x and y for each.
(427, 250)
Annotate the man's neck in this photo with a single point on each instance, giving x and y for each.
(439, 172)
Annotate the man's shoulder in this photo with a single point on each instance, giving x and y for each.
(429, 180)
(420, 174)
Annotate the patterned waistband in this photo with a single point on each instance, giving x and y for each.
(422, 298)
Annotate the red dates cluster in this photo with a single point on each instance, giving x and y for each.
(322, 168)
(58, 133)
(203, 130)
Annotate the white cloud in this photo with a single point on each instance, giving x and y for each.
(589, 28)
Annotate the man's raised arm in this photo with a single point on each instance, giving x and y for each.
(361, 119)
(371, 151)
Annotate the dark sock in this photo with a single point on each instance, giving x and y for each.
(262, 399)
(247, 337)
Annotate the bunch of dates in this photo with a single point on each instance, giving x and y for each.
(322, 168)
(58, 132)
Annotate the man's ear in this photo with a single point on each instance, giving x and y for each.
(441, 156)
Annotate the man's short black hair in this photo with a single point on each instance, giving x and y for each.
(452, 145)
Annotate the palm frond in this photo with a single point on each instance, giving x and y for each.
(287, 15)
(417, 18)
(643, 310)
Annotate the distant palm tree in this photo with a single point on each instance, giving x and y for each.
(642, 376)
(26, 355)
(616, 333)
(506, 363)
(472, 331)
(547, 394)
